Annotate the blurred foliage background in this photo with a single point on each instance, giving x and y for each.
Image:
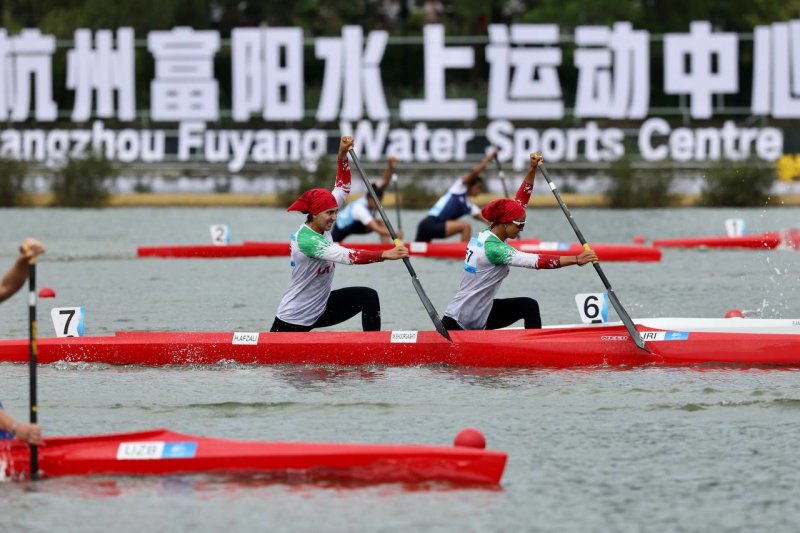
(399, 17)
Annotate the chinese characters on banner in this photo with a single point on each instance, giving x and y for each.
(612, 64)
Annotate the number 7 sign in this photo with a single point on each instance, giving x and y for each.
(68, 321)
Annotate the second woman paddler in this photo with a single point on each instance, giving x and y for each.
(487, 263)
(309, 302)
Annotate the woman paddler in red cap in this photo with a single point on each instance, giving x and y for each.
(487, 264)
(309, 302)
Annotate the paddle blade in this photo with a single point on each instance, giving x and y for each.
(426, 303)
(623, 314)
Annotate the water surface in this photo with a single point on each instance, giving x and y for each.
(644, 449)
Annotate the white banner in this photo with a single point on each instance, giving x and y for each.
(267, 84)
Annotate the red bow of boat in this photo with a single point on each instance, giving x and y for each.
(165, 452)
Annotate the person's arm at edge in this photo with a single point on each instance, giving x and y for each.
(30, 433)
(391, 163)
(477, 169)
(380, 228)
(15, 277)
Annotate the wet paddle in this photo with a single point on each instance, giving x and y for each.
(33, 332)
(623, 315)
(426, 302)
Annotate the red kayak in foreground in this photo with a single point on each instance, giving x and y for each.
(673, 342)
(441, 250)
(164, 452)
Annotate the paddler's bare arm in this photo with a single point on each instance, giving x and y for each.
(16, 276)
(477, 169)
(380, 228)
(391, 163)
(30, 433)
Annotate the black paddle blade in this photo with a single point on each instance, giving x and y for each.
(623, 315)
(426, 302)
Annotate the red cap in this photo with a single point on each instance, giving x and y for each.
(314, 202)
(503, 211)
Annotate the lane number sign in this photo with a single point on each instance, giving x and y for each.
(68, 321)
(734, 227)
(220, 234)
(593, 308)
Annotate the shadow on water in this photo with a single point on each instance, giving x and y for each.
(307, 484)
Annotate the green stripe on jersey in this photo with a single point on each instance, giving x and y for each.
(498, 252)
(311, 243)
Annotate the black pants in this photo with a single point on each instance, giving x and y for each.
(342, 305)
(356, 228)
(430, 228)
(505, 312)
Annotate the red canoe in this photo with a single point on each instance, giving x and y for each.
(674, 342)
(444, 250)
(791, 238)
(163, 452)
(762, 241)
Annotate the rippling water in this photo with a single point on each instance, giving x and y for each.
(645, 449)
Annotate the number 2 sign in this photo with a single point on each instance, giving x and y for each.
(220, 234)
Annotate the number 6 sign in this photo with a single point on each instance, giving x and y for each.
(593, 308)
(68, 321)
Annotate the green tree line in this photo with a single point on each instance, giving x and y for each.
(400, 17)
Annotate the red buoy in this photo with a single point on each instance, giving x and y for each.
(470, 438)
(47, 292)
(734, 313)
(639, 239)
